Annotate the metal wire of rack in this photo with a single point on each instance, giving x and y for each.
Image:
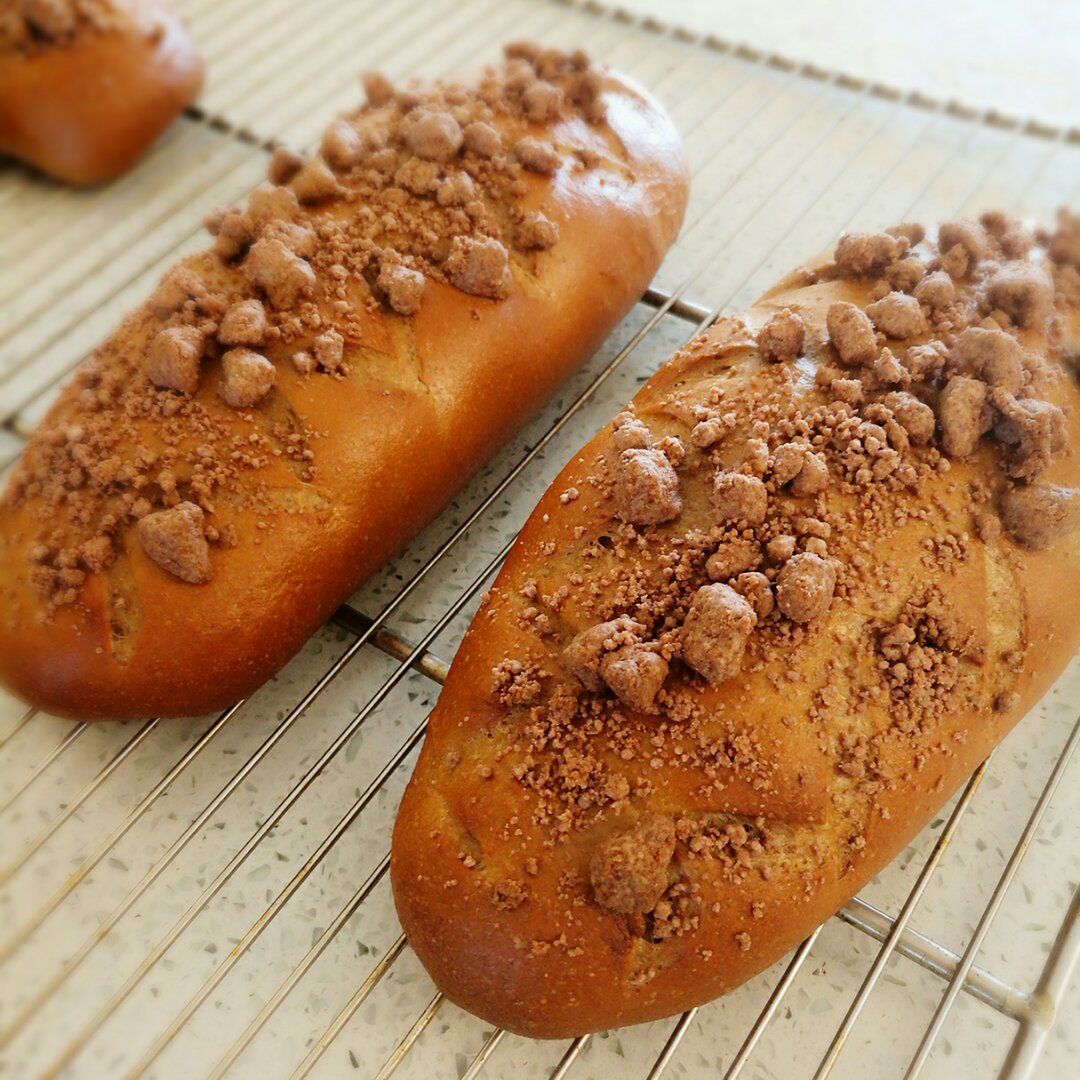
(209, 896)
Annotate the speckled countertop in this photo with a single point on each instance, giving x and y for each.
(1019, 59)
(207, 896)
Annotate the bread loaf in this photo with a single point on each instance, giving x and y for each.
(291, 406)
(756, 633)
(87, 85)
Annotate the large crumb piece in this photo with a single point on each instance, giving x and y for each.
(175, 540)
(964, 415)
(631, 433)
(543, 102)
(740, 498)
(378, 89)
(97, 554)
(280, 273)
(716, 631)
(284, 164)
(756, 589)
(536, 232)
(864, 254)
(914, 416)
(434, 136)
(404, 288)
(647, 491)
(968, 235)
(936, 291)
(796, 464)
(315, 183)
(1036, 430)
(851, 333)
(174, 358)
(536, 155)
(805, 587)
(176, 288)
(583, 656)
(329, 351)
(482, 139)
(992, 355)
(342, 145)
(629, 871)
(898, 315)
(781, 338)
(247, 377)
(244, 323)
(480, 267)
(1025, 293)
(733, 558)
(1036, 514)
(635, 674)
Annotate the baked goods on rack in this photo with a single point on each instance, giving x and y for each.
(756, 633)
(291, 406)
(87, 85)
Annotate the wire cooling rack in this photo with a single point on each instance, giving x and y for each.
(209, 897)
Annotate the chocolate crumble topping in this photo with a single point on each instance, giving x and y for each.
(629, 871)
(422, 185)
(743, 525)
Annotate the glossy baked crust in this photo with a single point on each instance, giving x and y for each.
(767, 799)
(84, 109)
(334, 470)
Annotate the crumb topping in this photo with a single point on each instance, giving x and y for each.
(629, 871)
(1037, 514)
(782, 337)
(745, 527)
(174, 358)
(851, 333)
(422, 184)
(175, 540)
(246, 378)
(31, 25)
(583, 656)
(716, 630)
(648, 487)
(805, 587)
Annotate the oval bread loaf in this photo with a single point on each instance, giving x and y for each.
(87, 85)
(756, 633)
(290, 407)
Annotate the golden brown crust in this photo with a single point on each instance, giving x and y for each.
(423, 404)
(793, 782)
(84, 108)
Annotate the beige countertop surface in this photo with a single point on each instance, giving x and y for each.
(1020, 58)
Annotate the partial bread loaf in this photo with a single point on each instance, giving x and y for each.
(756, 633)
(87, 85)
(292, 406)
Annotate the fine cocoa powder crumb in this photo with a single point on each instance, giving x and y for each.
(518, 683)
